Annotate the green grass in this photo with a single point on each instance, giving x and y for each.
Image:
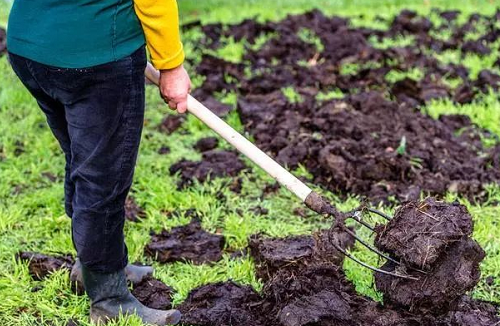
(31, 210)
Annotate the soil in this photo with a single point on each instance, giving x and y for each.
(214, 163)
(455, 273)
(376, 141)
(305, 286)
(186, 243)
(3, 41)
(206, 144)
(40, 265)
(421, 231)
(133, 212)
(153, 293)
(171, 123)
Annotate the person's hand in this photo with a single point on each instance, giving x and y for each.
(175, 86)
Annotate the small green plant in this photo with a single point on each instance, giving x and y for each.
(291, 94)
(401, 150)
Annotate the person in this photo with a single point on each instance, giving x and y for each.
(83, 61)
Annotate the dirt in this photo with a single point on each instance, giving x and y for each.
(455, 273)
(153, 293)
(133, 212)
(171, 123)
(214, 163)
(376, 141)
(421, 231)
(206, 144)
(186, 243)
(3, 41)
(304, 284)
(41, 265)
(220, 304)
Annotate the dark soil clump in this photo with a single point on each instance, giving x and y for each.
(133, 212)
(153, 293)
(214, 163)
(186, 243)
(206, 144)
(455, 273)
(171, 123)
(421, 231)
(221, 304)
(40, 265)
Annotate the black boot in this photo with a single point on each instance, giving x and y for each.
(111, 297)
(135, 274)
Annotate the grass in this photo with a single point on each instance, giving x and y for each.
(31, 210)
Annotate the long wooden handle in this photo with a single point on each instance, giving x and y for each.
(242, 144)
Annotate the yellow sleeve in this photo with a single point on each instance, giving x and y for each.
(160, 22)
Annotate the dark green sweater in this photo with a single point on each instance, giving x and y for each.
(73, 33)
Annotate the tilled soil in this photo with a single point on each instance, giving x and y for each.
(153, 293)
(305, 286)
(40, 265)
(186, 243)
(374, 141)
(214, 163)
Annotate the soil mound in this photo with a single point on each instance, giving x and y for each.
(40, 265)
(214, 163)
(153, 293)
(420, 231)
(186, 243)
(222, 304)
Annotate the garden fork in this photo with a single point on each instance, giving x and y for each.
(309, 197)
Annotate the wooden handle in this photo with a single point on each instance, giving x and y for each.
(242, 144)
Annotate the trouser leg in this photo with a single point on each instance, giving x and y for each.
(55, 114)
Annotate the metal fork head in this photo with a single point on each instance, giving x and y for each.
(357, 215)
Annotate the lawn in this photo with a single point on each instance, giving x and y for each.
(31, 201)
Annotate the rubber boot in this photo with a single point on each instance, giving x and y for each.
(134, 273)
(110, 298)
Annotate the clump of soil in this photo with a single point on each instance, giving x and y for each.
(434, 236)
(206, 144)
(272, 254)
(452, 275)
(133, 212)
(421, 231)
(3, 41)
(214, 163)
(186, 243)
(221, 304)
(171, 123)
(40, 265)
(153, 293)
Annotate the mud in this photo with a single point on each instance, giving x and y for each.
(421, 231)
(186, 243)
(153, 293)
(40, 265)
(214, 163)
(133, 212)
(375, 141)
